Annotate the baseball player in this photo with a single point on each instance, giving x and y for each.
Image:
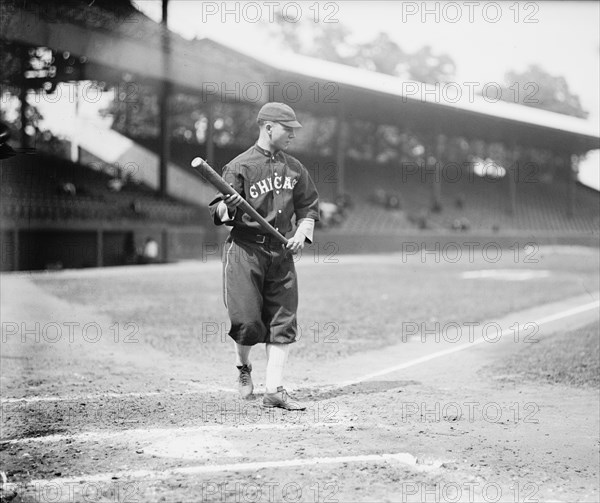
(259, 278)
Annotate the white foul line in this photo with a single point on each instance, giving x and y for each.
(147, 433)
(467, 345)
(568, 312)
(399, 457)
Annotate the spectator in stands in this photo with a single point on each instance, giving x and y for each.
(379, 197)
(327, 213)
(150, 252)
(393, 202)
(129, 250)
(67, 188)
(135, 206)
(387, 200)
(343, 202)
(115, 184)
(421, 219)
(461, 224)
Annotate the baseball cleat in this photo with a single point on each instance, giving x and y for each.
(282, 400)
(245, 384)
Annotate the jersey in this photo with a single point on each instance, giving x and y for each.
(276, 185)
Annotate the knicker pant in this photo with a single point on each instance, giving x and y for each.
(260, 291)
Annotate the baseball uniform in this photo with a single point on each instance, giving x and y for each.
(259, 277)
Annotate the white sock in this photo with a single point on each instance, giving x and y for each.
(242, 354)
(276, 357)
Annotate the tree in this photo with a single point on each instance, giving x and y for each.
(537, 88)
(424, 66)
(332, 42)
(381, 55)
(26, 68)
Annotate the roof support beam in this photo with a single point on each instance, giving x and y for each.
(342, 142)
(164, 237)
(210, 133)
(99, 247)
(25, 143)
(16, 251)
(439, 143)
(571, 169)
(512, 161)
(164, 139)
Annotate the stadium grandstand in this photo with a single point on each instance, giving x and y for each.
(78, 207)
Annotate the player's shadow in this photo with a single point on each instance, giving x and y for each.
(367, 387)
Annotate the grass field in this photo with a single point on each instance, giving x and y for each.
(359, 302)
(571, 358)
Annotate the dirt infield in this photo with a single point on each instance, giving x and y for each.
(425, 381)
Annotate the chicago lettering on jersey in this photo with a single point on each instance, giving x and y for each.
(272, 183)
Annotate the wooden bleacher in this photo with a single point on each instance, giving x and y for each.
(483, 203)
(31, 189)
(55, 213)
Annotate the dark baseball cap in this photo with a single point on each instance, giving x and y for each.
(278, 112)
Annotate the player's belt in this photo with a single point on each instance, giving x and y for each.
(255, 237)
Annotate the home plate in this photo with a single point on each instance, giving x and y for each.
(197, 445)
(506, 274)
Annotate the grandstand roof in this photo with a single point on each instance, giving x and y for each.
(377, 95)
(125, 41)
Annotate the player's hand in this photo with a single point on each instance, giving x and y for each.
(296, 243)
(232, 201)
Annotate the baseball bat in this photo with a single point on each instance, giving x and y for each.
(212, 177)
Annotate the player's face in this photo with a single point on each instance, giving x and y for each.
(281, 136)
